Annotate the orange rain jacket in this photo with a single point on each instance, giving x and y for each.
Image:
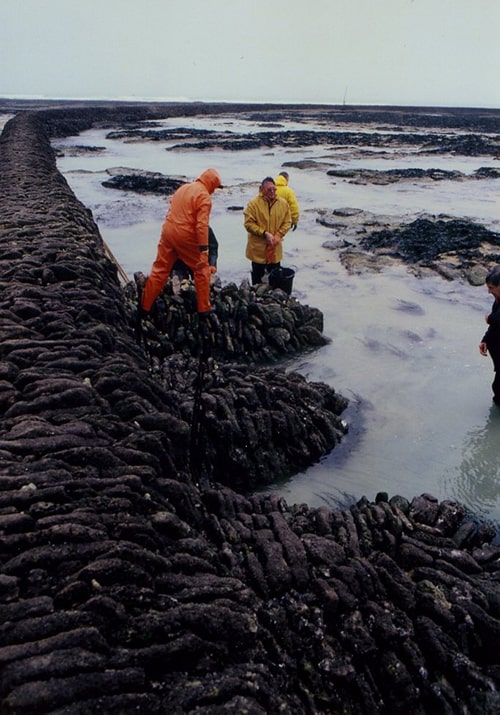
(184, 232)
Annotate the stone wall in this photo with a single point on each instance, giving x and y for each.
(126, 586)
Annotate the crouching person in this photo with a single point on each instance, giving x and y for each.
(185, 236)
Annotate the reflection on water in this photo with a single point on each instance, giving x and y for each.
(477, 483)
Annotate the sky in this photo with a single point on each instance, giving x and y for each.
(382, 52)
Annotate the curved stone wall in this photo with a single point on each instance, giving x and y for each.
(126, 586)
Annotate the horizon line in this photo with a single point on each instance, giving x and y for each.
(186, 100)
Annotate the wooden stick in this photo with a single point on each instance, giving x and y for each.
(121, 271)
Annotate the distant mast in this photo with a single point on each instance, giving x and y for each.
(345, 95)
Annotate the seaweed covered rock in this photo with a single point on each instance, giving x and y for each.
(254, 425)
(142, 182)
(454, 248)
(425, 240)
(249, 324)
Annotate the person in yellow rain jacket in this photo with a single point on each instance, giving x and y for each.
(283, 190)
(185, 236)
(267, 220)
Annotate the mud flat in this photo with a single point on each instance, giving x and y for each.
(131, 579)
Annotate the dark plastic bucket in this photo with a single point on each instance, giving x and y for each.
(282, 278)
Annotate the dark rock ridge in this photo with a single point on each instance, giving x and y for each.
(256, 426)
(425, 240)
(126, 586)
(392, 176)
(144, 182)
(468, 145)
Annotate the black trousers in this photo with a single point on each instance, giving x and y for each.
(496, 387)
(258, 270)
(183, 271)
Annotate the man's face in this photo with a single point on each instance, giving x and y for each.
(268, 190)
(493, 290)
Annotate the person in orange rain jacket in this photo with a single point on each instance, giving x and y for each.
(184, 236)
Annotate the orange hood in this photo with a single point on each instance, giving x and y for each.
(210, 179)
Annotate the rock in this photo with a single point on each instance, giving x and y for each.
(477, 275)
(391, 176)
(142, 182)
(456, 249)
(250, 323)
(424, 240)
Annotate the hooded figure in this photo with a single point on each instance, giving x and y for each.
(283, 190)
(184, 236)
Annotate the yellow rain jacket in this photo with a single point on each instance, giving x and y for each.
(261, 216)
(283, 190)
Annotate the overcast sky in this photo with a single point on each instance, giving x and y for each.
(407, 52)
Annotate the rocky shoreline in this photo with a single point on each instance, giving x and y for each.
(132, 579)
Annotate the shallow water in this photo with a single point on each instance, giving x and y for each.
(403, 350)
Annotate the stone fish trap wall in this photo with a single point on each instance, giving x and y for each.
(126, 588)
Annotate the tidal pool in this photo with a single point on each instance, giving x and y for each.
(403, 349)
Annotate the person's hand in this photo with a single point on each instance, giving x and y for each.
(483, 348)
(294, 226)
(213, 270)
